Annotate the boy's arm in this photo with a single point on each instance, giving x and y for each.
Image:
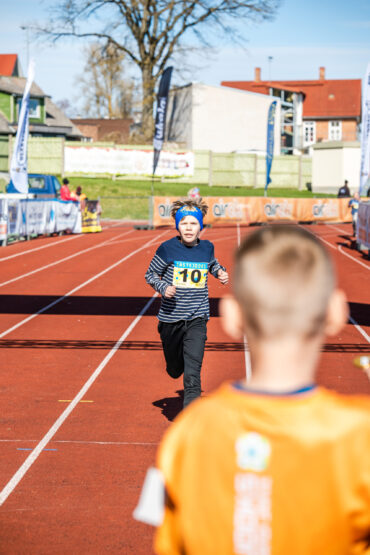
(155, 271)
(214, 265)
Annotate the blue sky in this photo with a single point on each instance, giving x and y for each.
(303, 36)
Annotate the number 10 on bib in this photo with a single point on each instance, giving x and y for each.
(190, 274)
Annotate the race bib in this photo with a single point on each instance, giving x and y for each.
(191, 275)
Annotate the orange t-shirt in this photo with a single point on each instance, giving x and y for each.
(258, 474)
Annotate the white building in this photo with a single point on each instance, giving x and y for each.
(221, 119)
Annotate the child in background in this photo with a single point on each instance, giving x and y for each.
(278, 465)
(179, 272)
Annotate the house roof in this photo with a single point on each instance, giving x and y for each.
(55, 117)
(8, 64)
(16, 85)
(327, 98)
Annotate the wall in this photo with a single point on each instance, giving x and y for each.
(45, 155)
(5, 105)
(226, 120)
(332, 163)
(249, 170)
(4, 147)
(221, 119)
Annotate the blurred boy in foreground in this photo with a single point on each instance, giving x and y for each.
(277, 465)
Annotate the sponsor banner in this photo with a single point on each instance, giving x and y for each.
(14, 217)
(365, 134)
(363, 224)
(67, 216)
(247, 210)
(3, 220)
(160, 118)
(18, 166)
(120, 161)
(35, 216)
(270, 141)
(90, 217)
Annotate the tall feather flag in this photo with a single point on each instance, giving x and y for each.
(365, 133)
(270, 142)
(160, 118)
(18, 166)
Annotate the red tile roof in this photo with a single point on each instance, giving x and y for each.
(323, 98)
(7, 64)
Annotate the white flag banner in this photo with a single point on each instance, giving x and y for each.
(365, 133)
(18, 167)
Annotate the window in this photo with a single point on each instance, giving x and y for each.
(34, 108)
(309, 132)
(36, 183)
(335, 130)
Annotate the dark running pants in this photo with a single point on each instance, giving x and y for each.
(183, 346)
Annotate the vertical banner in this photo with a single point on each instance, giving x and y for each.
(18, 167)
(365, 133)
(160, 118)
(270, 142)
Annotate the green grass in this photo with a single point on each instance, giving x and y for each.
(138, 209)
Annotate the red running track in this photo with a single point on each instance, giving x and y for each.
(70, 481)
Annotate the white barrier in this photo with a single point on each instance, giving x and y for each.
(363, 225)
(22, 217)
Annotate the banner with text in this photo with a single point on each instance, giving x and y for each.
(120, 161)
(247, 210)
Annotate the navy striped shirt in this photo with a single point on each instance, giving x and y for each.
(187, 268)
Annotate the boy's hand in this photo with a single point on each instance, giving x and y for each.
(223, 277)
(170, 291)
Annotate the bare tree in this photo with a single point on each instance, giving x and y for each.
(150, 31)
(105, 91)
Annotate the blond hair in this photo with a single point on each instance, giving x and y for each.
(190, 204)
(283, 280)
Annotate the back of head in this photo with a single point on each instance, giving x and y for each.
(65, 181)
(283, 281)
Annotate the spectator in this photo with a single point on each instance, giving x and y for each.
(344, 191)
(354, 204)
(65, 193)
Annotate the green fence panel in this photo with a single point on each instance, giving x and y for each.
(4, 153)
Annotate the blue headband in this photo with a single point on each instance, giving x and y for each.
(196, 213)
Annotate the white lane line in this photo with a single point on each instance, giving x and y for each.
(81, 442)
(53, 244)
(62, 260)
(247, 357)
(342, 231)
(14, 481)
(353, 258)
(359, 329)
(90, 280)
(357, 326)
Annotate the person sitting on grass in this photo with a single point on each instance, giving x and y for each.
(275, 465)
(179, 272)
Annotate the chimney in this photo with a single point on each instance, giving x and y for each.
(257, 74)
(322, 74)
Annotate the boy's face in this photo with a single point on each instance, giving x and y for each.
(189, 229)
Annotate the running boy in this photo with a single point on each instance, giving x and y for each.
(275, 466)
(179, 272)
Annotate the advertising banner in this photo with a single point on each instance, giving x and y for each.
(3, 220)
(18, 166)
(67, 216)
(35, 216)
(160, 118)
(363, 224)
(247, 210)
(270, 142)
(91, 217)
(365, 134)
(120, 161)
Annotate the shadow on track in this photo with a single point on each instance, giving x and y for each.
(171, 406)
